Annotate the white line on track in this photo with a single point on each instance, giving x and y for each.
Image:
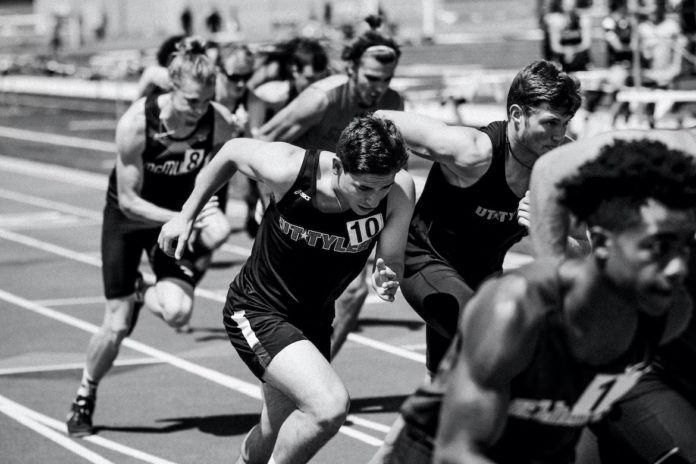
(55, 139)
(11, 410)
(230, 382)
(87, 300)
(49, 424)
(73, 366)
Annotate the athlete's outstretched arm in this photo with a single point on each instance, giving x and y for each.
(494, 344)
(305, 111)
(130, 144)
(275, 164)
(389, 253)
(463, 150)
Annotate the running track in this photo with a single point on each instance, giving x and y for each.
(171, 398)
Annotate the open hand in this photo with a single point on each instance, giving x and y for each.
(384, 281)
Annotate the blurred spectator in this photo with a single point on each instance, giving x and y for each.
(186, 19)
(213, 21)
(570, 35)
(618, 32)
(661, 46)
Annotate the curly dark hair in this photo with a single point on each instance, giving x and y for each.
(609, 190)
(371, 145)
(544, 81)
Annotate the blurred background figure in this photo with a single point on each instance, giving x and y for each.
(570, 35)
(618, 34)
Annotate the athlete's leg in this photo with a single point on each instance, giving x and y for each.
(214, 230)
(438, 294)
(348, 308)
(404, 444)
(319, 399)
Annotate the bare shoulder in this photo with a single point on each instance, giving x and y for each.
(132, 124)
(498, 331)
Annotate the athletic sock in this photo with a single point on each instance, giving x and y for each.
(88, 387)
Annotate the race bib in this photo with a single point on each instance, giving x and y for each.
(364, 229)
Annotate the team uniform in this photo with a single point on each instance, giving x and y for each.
(170, 167)
(301, 261)
(660, 412)
(554, 396)
(458, 237)
(341, 110)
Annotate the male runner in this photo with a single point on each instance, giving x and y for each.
(316, 118)
(328, 212)
(162, 141)
(547, 348)
(658, 416)
(467, 216)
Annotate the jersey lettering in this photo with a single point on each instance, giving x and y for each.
(326, 241)
(493, 215)
(593, 404)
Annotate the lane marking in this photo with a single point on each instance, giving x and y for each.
(73, 366)
(212, 375)
(86, 300)
(50, 423)
(14, 411)
(55, 139)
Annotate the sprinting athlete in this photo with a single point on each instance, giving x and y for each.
(327, 214)
(474, 207)
(163, 141)
(316, 118)
(550, 347)
(657, 418)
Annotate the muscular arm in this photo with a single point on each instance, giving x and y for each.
(130, 144)
(392, 240)
(464, 151)
(275, 164)
(305, 111)
(549, 220)
(495, 343)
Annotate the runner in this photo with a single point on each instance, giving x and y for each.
(658, 416)
(473, 207)
(315, 119)
(162, 142)
(549, 347)
(329, 212)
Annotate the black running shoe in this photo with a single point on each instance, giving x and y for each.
(80, 417)
(140, 287)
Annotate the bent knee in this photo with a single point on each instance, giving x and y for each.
(331, 411)
(176, 314)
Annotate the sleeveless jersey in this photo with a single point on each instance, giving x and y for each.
(469, 228)
(303, 258)
(340, 112)
(170, 165)
(555, 395)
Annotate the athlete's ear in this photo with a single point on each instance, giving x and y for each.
(516, 112)
(600, 239)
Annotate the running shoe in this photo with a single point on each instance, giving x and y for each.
(79, 420)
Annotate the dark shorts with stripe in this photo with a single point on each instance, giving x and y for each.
(258, 332)
(122, 244)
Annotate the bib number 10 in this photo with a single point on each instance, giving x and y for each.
(364, 229)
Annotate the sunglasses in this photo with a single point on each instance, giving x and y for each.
(234, 77)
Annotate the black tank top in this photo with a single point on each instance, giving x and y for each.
(556, 395)
(303, 258)
(470, 228)
(170, 165)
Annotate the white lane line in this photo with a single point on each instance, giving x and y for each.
(87, 300)
(13, 411)
(55, 139)
(73, 366)
(46, 421)
(230, 382)
(387, 348)
(50, 204)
